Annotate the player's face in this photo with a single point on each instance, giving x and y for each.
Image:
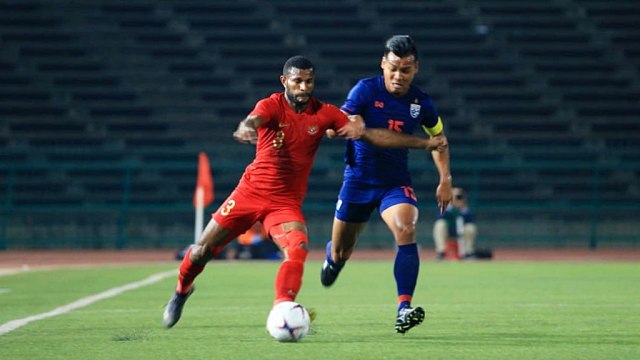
(398, 73)
(298, 86)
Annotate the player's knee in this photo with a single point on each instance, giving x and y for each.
(200, 254)
(295, 245)
(203, 253)
(405, 233)
(470, 230)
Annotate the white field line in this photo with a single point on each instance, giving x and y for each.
(85, 301)
(4, 272)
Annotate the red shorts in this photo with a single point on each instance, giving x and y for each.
(243, 208)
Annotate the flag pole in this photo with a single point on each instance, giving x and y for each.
(197, 231)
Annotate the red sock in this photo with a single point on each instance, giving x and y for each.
(188, 273)
(288, 281)
(404, 300)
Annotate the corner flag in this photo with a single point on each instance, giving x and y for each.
(204, 182)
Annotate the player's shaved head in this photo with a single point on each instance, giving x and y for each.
(402, 46)
(298, 62)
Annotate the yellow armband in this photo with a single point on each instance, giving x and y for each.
(434, 130)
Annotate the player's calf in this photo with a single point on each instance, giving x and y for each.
(330, 270)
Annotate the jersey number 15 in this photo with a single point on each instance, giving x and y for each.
(395, 125)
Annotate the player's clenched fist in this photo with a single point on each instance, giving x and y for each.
(352, 131)
(437, 143)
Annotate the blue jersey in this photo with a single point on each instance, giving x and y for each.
(370, 99)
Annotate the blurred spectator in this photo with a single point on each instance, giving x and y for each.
(454, 232)
(256, 244)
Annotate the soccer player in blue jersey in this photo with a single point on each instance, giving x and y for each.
(379, 178)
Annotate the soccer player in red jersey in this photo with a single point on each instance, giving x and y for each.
(287, 128)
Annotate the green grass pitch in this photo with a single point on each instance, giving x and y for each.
(475, 310)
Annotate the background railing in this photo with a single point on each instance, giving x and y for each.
(105, 106)
(128, 216)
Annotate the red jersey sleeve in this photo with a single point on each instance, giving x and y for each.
(339, 118)
(267, 109)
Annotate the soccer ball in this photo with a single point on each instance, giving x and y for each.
(288, 321)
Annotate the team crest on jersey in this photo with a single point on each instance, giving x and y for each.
(313, 129)
(414, 110)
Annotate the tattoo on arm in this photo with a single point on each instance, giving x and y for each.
(252, 121)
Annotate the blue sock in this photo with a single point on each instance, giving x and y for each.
(403, 304)
(330, 260)
(405, 271)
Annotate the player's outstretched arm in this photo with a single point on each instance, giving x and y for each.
(354, 130)
(357, 119)
(391, 139)
(387, 138)
(246, 132)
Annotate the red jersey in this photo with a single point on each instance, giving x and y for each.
(287, 145)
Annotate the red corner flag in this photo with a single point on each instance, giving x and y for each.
(204, 184)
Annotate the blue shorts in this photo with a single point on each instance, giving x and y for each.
(356, 201)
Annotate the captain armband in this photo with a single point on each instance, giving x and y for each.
(434, 130)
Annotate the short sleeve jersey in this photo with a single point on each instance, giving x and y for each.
(369, 98)
(287, 145)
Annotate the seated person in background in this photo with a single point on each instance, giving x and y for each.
(256, 244)
(456, 224)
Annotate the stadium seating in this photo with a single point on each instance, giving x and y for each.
(101, 97)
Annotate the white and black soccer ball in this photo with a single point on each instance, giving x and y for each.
(288, 321)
